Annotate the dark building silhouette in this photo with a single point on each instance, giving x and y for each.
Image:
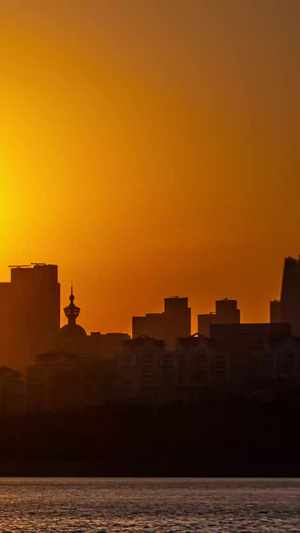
(204, 322)
(139, 370)
(247, 357)
(174, 322)
(226, 313)
(275, 311)
(201, 364)
(290, 295)
(148, 373)
(77, 372)
(29, 313)
(7, 324)
(245, 332)
(72, 338)
(107, 344)
(12, 392)
(256, 351)
(60, 381)
(236, 357)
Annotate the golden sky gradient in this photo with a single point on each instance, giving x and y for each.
(150, 148)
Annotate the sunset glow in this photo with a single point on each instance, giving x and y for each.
(149, 155)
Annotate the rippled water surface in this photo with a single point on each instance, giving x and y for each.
(162, 505)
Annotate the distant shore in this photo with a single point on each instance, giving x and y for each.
(86, 469)
(233, 438)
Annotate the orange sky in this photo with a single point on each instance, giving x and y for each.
(151, 148)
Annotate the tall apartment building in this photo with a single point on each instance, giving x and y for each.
(253, 350)
(147, 373)
(290, 295)
(29, 313)
(275, 311)
(226, 313)
(173, 323)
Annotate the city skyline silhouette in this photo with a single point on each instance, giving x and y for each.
(31, 307)
(149, 265)
(155, 147)
(18, 270)
(241, 380)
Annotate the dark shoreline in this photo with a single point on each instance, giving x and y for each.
(96, 469)
(216, 439)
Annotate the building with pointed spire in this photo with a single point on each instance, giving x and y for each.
(72, 330)
(72, 338)
(77, 372)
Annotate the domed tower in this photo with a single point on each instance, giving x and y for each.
(71, 311)
(72, 329)
(71, 337)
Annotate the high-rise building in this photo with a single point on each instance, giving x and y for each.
(290, 295)
(29, 313)
(204, 322)
(178, 318)
(226, 313)
(172, 324)
(275, 311)
(249, 348)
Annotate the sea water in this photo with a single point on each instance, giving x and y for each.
(138, 505)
